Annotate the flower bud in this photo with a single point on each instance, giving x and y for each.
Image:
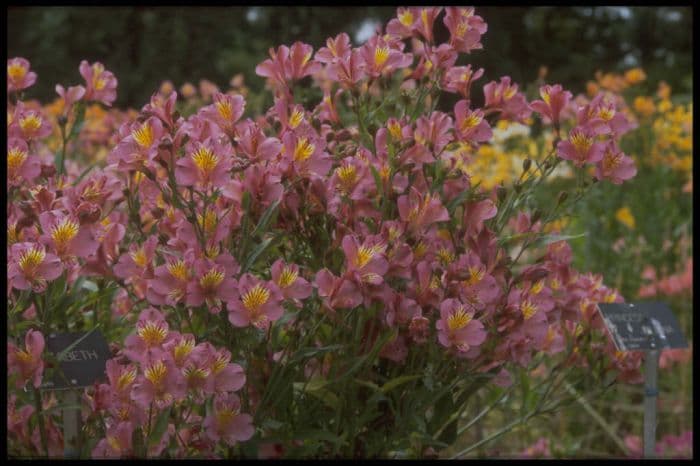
(562, 197)
(330, 136)
(316, 123)
(344, 135)
(62, 120)
(501, 193)
(526, 165)
(536, 216)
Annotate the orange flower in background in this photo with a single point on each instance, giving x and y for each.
(644, 106)
(635, 76)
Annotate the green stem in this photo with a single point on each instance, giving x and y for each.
(40, 418)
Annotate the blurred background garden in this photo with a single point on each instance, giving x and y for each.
(644, 245)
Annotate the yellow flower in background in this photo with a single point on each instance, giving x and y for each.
(644, 106)
(664, 91)
(624, 216)
(635, 76)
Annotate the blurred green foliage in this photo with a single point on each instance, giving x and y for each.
(144, 46)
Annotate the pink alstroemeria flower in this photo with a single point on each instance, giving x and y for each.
(554, 100)
(101, 84)
(615, 165)
(213, 283)
(259, 303)
(21, 166)
(379, 57)
(457, 328)
(336, 49)
(460, 78)
(465, 28)
(31, 267)
(366, 262)
(162, 383)
(348, 70)
(18, 75)
(504, 96)
(227, 423)
(420, 211)
(66, 235)
(117, 442)
(70, 96)
(169, 284)
(286, 277)
(206, 164)
(139, 144)
(581, 147)
(470, 124)
(27, 124)
(287, 64)
(27, 363)
(337, 292)
(138, 262)
(152, 331)
(225, 111)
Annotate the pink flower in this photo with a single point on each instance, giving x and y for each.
(554, 100)
(227, 423)
(225, 111)
(66, 235)
(403, 25)
(337, 292)
(348, 70)
(286, 277)
(169, 284)
(477, 287)
(366, 263)
(18, 75)
(139, 144)
(31, 267)
(205, 165)
(259, 303)
(117, 442)
(21, 167)
(434, 131)
(18, 419)
(460, 78)
(138, 262)
(335, 49)
(504, 97)
(152, 331)
(458, 329)
(615, 165)
(70, 96)
(601, 116)
(420, 211)
(225, 376)
(101, 84)
(254, 144)
(161, 383)
(212, 284)
(465, 28)
(28, 124)
(27, 363)
(380, 58)
(581, 147)
(288, 64)
(470, 124)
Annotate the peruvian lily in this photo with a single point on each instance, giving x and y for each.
(581, 147)
(101, 85)
(615, 165)
(253, 143)
(504, 97)
(380, 58)
(139, 146)
(66, 236)
(31, 267)
(152, 331)
(470, 124)
(259, 303)
(226, 423)
(18, 75)
(337, 292)
(213, 283)
(460, 78)
(420, 211)
(21, 167)
(169, 284)
(27, 363)
(465, 28)
(206, 164)
(286, 277)
(70, 96)
(554, 100)
(162, 383)
(225, 111)
(367, 262)
(335, 49)
(458, 329)
(27, 124)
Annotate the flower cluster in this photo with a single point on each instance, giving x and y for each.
(334, 241)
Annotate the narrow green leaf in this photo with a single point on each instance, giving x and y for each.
(390, 385)
(159, 428)
(256, 253)
(267, 216)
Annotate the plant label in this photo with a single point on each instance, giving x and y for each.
(642, 326)
(81, 363)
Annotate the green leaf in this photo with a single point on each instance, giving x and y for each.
(377, 179)
(79, 110)
(390, 385)
(256, 253)
(267, 216)
(549, 239)
(159, 428)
